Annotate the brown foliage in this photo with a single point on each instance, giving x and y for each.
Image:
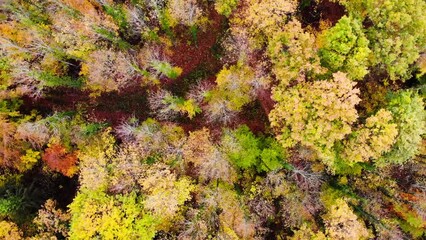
(58, 159)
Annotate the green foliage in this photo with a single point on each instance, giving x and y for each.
(5, 69)
(242, 147)
(345, 48)
(245, 150)
(407, 108)
(118, 14)
(112, 37)
(397, 34)
(30, 14)
(225, 7)
(272, 156)
(18, 202)
(179, 104)
(167, 23)
(167, 69)
(10, 107)
(51, 80)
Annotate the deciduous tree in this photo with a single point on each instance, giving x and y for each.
(408, 111)
(294, 54)
(315, 114)
(345, 48)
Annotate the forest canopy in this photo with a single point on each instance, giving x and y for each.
(212, 119)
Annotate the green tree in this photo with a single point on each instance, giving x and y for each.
(245, 150)
(345, 48)
(397, 34)
(225, 7)
(407, 108)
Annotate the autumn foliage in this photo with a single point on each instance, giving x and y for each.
(213, 119)
(57, 158)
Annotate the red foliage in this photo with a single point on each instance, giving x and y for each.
(189, 56)
(58, 159)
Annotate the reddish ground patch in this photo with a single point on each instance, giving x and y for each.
(264, 97)
(113, 107)
(189, 56)
(331, 11)
(312, 13)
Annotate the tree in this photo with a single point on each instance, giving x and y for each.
(97, 214)
(245, 150)
(345, 48)
(94, 160)
(242, 148)
(293, 54)
(407, 108)
(397, 32)
(166, 106)
(211, 164)
(10, 148)
(155, 139)
(372, 140)
(263, 19)
(165, 193)
(185, 12)
(51, 221)
(233, 224)
(59, 159)
(225, 7)
(235, 88)
(107, 71)
(316, 114)
(305, 232)
(342, 223)
(9, 231)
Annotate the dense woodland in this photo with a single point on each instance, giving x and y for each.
(212, 119)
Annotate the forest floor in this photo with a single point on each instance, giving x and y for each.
(200, 60)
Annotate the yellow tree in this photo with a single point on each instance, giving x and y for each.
(293, 54)
(372, 139)
(262, 19)
(210, 163)
(341, 223)
(315, 114)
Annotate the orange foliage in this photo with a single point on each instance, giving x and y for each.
(58, 159)
(12, 31)
(83, 6)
